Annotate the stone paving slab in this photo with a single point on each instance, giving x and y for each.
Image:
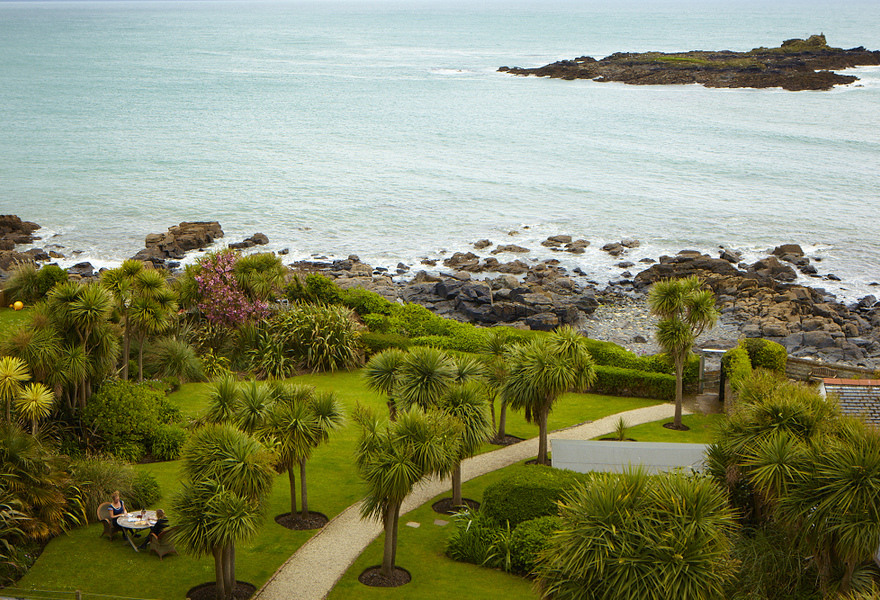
(315, 568)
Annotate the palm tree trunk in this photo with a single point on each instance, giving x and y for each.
(126, 347)
(456, 485)
(390, 546)
(502, 421)
(492, 409)
(542, 434)
(292, 477)
(392, 409)
(220, 590)
(304, 497)
(679, 390)
(141, 359)
(229, 567)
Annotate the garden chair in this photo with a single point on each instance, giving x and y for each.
(163, 543)
(104, 513)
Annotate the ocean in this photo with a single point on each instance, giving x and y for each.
(383, 129)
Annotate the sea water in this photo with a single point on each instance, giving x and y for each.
(384, 129)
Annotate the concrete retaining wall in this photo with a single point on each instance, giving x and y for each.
(586, 455)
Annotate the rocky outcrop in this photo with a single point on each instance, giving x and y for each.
(795, 65)
(14, 231)
(258, 239)
(760, 299)
(178, 240)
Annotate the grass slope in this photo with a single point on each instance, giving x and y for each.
(81, 560)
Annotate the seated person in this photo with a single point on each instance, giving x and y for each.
(117, 509)
(160, 524)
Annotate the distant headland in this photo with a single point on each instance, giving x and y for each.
(795, 65)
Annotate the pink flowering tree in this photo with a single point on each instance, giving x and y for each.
(222, 299)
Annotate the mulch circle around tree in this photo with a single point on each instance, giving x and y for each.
(508, 440)
(374, 578)
(314, 520)
(446, 507)
(618, 440)
(671, 425)
(208, 591)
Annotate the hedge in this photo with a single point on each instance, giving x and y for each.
(530, 492)
(765, 354)
(616, 381)
(528, 540)
(737, 366)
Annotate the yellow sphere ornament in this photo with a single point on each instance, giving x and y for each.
(18, 305)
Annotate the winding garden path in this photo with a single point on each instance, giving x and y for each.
(315, 568)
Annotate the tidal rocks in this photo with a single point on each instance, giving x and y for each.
(178, 240)
(795, 65)
(258, 239)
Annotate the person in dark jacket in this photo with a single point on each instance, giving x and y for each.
(160, 524)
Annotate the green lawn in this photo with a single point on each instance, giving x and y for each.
(10, 319)
(702, 430)
(421, 551)
(81, 560)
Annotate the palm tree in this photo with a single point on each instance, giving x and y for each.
(631, 536)
(35, 403)
(152, 309)
(494, 352)
(299, 421)
(119, 281)
(37, 344)
(227, 477)
(541, 371)
(685, 311)
(13, 372)
(223, 400)
(381, 374)
(467, 405)
(425, 375)
(254, 402)
(394, 458)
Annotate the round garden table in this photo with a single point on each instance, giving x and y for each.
(133, 522)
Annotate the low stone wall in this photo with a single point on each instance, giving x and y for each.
(801, 369)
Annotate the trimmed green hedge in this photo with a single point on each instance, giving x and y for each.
(374, 343)
(765, 354)
(528, 540)
(616, 381)
(737, 366)
(530, 492)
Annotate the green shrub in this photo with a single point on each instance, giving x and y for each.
(616, 381)
(772, 357)
(97, 477)
(771, 567)
(166, 441)
(124, 417)
(472, 538)
(378, 323)
(30, 284)
(374, 343)
(528, 539)
(530, 492)
(145, 490)
(170, 357)
(317, 288)
(365, 302)
(737, 366)
(413, 320)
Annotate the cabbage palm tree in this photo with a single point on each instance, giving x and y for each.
(227, 476)
(38, 345)
(120, 281)
(685, 311)
(382, 373)
(299, 421)
(223, 400)
(254, 403)
(393, 458)
(152, 310)
(34, 403)
(13, 373)
(543, 370)
(494, 352)
(466, 404)
(425, 375)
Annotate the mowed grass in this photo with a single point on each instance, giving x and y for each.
(422, 552)
(10, 319)
(702, 430)
(82, 560)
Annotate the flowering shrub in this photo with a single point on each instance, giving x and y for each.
(222, 299)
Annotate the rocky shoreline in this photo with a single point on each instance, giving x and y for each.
(796, 65)
(499, 287)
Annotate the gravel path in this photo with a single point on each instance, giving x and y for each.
(312, 572)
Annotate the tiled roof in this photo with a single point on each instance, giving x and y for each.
(857, 397)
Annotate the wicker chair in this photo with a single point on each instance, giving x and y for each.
(104, 514)
(163, 543)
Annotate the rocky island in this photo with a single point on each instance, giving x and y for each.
(795, 65)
